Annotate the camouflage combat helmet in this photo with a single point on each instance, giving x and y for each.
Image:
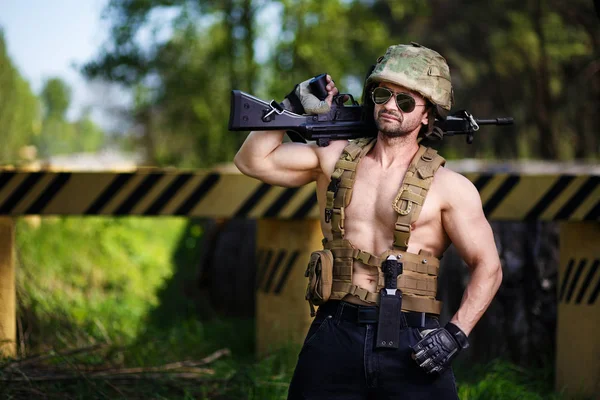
(416, 68)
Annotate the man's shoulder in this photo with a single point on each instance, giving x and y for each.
(454, 186)
(446, 174)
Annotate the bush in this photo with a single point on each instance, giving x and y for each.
(92, 278)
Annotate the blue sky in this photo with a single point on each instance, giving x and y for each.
(50, 38)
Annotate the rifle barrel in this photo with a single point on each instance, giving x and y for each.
(496, 121)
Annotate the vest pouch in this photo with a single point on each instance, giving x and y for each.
(320, 277)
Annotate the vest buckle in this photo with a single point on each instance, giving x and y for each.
(363, 257)
(403, 211)
(334, 185)
(328, 215)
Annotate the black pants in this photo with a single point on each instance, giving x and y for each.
(339, 361)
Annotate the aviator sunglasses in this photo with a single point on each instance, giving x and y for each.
(404, 101)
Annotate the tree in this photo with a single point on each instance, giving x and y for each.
(19, 109)
(56, 96)
(58, 134)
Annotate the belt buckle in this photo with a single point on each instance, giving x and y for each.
(366, 316)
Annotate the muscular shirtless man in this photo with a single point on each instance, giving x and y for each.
(387, 180)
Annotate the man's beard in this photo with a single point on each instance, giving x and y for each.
(384, 126)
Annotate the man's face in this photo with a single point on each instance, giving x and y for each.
(393, 122)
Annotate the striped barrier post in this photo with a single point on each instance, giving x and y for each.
(578, 317)
(288, 231)
(284, 247)
(8, 329)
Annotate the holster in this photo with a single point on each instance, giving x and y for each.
(320, 278)
(388, 327)
(390, 306)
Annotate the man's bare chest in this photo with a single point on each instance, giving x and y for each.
(373, 194)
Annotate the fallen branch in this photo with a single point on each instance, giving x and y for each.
(14, 371)
(43, 357)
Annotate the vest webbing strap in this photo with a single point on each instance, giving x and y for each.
(421, 304)
(339, 191)
(410, 302)
(424, 264)
(340, 289)
(411, 196)
(418, 285)
(409, 284)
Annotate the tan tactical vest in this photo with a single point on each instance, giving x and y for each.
(418, 281)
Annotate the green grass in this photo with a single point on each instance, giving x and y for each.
(501, 380)
(119, 282)
(91, 278)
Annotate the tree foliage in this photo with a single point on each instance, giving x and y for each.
(536, 60)
(19, 108)
(182, 85)
(58, 135)
(26, 119)
(56, 96)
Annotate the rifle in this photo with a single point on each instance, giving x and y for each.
(249, 113)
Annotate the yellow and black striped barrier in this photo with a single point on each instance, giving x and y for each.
(273, 269)
(154, 192)
(581, 282)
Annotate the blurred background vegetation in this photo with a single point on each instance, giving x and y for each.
(126, 281)
(535, 60)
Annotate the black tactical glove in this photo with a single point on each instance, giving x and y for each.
(439, 347)
(301, 100)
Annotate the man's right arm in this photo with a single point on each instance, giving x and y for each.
(263, 156)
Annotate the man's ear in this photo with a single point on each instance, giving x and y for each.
(425, 117)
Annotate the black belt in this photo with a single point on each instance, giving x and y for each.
(369, 314)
